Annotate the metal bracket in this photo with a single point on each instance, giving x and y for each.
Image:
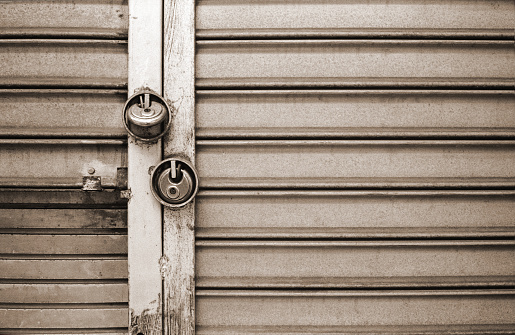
(92, 183)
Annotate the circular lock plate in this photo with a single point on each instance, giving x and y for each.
(146, 116)
(174, 189)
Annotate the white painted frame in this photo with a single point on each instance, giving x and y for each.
(144, 211)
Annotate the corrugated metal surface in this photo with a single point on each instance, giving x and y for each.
(405, 15)
(418, 214)
(363, 312)
(95, 18)
(63, 261)
(63, 253)
(356, 167)
(62, 113)
(353, 112)
(290, 60)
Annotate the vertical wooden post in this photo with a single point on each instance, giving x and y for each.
(178, 232)
(144, 212)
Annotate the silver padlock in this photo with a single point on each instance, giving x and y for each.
(174, 182)
(146, 116)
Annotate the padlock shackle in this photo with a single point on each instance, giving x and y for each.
(147, 131)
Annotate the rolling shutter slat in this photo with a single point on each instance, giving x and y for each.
(405, 14)
(65, 15)
(80, 316)
(363, 159)
(294, 312)
(62, 113)
(341, 214)
(30, 163)
(64, 219)
(77, 60)
(63, 244)
(348, 111)
(324, 264)
(61, 293)
(291, 59)
(63, 268)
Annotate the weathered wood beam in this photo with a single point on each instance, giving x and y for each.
(178, 232)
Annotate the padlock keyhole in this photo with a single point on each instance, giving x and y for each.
(174, 182)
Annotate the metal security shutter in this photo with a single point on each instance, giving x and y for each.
(63, 250)
(357, 167)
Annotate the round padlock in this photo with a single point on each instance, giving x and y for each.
(146, 116)
(174, 182)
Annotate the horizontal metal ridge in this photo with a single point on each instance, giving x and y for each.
(65, 257)
(354, 193)
(357, 83)
(349, 33)
(352, 133)
(63, 231)
(61, 91)
(44, 183)
(96, 134)
(465, 329)
(353, 143)
(352, 244)
(358, 293)
(355, 233)
(414, 282)
(59, 331)
(69, 41)
(356, 183)
(352, 42)
(62, 33)
(59, 141)
(75, 83)
(21, 281)
(108, 305)
(353, 92)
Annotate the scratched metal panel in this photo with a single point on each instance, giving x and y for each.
(86, 221)
(348, 263)
(361, 159)
(66, 317)
(243, 111)
(59, 162)
(63, 244)
(63, 62)
(288, 60)
(63, 267)
(61, 293)
(62, 199)
(65, 14)
(408, 14)
(344, 312)
(355, 214)
(61, 112)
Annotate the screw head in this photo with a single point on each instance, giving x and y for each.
(91, 170)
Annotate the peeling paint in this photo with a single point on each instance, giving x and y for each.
(164, 266)
(147, 323)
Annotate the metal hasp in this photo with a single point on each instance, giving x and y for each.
(174, 182)
(146, 116)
